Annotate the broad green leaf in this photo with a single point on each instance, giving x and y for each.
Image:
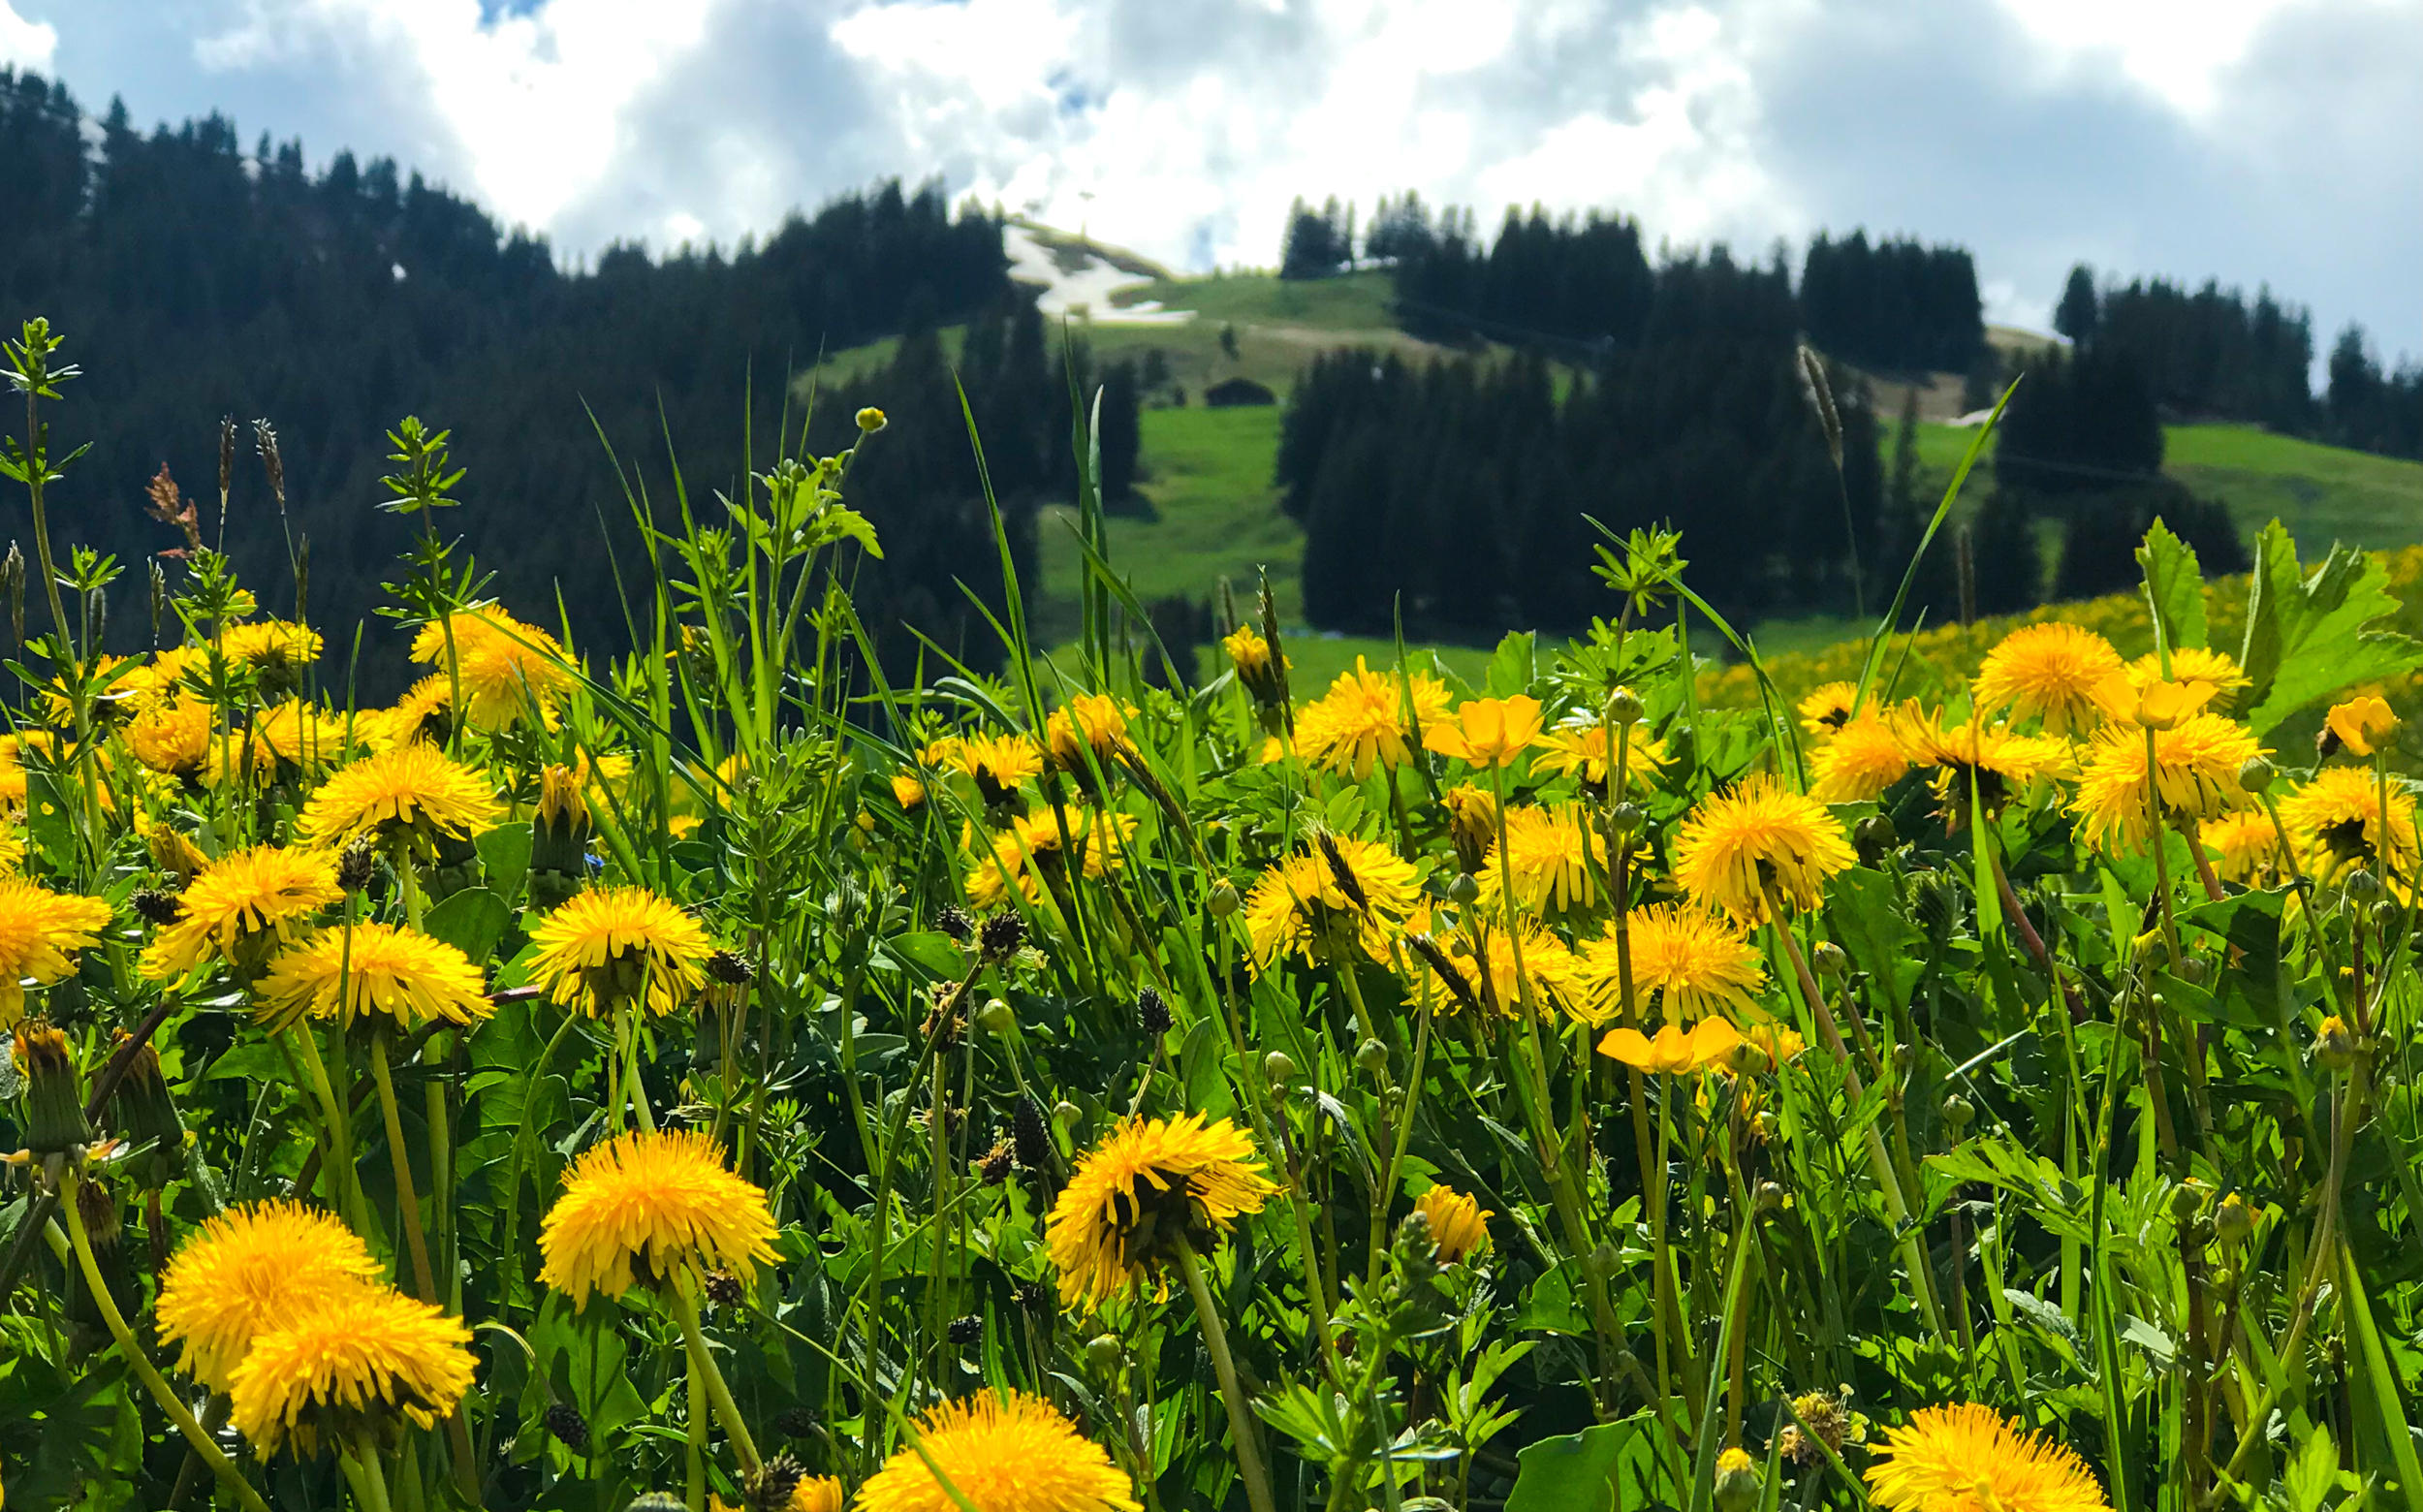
(1511, 668)
(472, 921)
(505, 856)
(1867, 922)
(2305, 633)
(1594, 1471)
(2313, 1474)
(2174, 586)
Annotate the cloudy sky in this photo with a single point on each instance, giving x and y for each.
(2251, 140)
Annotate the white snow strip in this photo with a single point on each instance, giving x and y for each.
(1086, 294)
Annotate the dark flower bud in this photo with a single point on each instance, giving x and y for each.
(1874, 837)
(729, 968)
(1030, 1135)
(355, 867)
(966, 1330)
(570, 1428)
(955, 922)
(157, 906)
(993, 1165)
(1153, 1013)
(1035, 1297)
(99, 1212)
(724, 1289)
(768, 1488)
(794, 1423)
(1002, 936)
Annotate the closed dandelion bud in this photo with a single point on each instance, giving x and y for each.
(1738, 1483)
(1463, 891)
(871, 419)
(997, 1018)
(1829, 960)
(99, 1212)
(569, 1428)
(2233, 1221)
(1627, 819)
(54, 1094)
(1066, 1114)
(1278, 1068)
(1153, 1013)
(656, 1502)
(1223, 899)
(966, 1330)
(1625, 708)
(144, 1115)
(2334, 1047)
(1874, 837)
(2363, 886)
(1029, 1137)
(2388, 919)
(2256, 774)
(1104, 1352)
(1372, 1057)
(1770, 1197)
(1957, 1114)
(355, 865)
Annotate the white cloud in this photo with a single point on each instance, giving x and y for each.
(25, 43)
(2176, 49)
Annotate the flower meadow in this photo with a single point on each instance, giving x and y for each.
(742, 1074)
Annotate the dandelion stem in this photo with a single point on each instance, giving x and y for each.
(1240, 1415)
(424, 1276)
(685, 1309)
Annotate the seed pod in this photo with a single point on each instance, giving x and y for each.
(955, 923)
(1028, 1134)
(570, 1428)
(1002, 936)
(770, 1487)
(966, 1330)
(1153, 1013)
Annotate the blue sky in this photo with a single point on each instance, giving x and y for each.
(2250, 139)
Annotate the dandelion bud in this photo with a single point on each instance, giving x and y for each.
(1223, 899)
(1278, 1069)
(1770, 1197)
(1028, 1136)
(658, 1501)
(1464, 890)
(1066, 1114)
(2363, 886)
(54, 1094)
(871, 419)
(1104, 1352)
(99, 1212)
(1153, 1013)
(1829, 960)
(1002, 936)
(355, 865)
(966, 1330)
(996, 1016)
(1738, 1483)
(2387, 919)
(1876, 838)
(1372, 1057)
(2192, 970)
(955, 923)
(1958, 1113)
(1627, 819)
(144, 1115)
(1625, 708)
(570, 1428)
(2334, 1047)
(2256, 774)
(2233, 1221)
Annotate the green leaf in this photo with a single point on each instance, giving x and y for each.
(472, 921)
(580, 1355)
(2313, 1474)
(2175, 586)
(2306, 635)
(1594, 1471)
(505, 856)
(1866, 921)
(1510, 670)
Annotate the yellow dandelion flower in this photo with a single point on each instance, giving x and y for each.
(1863, 759)
(39, 934)
(1672, 1051)
(505, 667)
(1487, 732)
(620, 946)
(818, 1493)
(413, 787)
(241, 903)
(1150, 1185)
(1579, 750)
(355, 1357)
(12, 775)
(642, 1207)
(1003, 1454)
(1370, 718)
(1690, 961)
(2195, 776)
(1026, 855)
(1760, 830)
(1251, 655)
(246, 1270)
(423, 715)
(173, 739)
(1343, 889)
(2003, 766)
(1458, 1224)
(1556, 975)
(2217, 670)
(403, 974)
(299, 735)
(1956, 1458)
(271, 642)
(1828, 708)
(907, 792)
(158, 680)
(2243, 845)
(1092, 724)
(2361, 725)
(2334, 821)
(2053, 673)
(996, 762)
(1549, 853)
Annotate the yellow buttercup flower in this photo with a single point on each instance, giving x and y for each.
(1370, 718)
(1863, 759)
(1549, 854)
(1150, 1185)
(355, 1358)
(2195, 776)
(39, 934)
(173, 739)
(403, 974)
(1692, 962)
(243, 901)
(2361, 725)
(2053, 673)
(1760, 830)
(1581, 750)
(2335, 819)
(614, 947)
(1828, 707)
(1487, 732)
(1458, 1224)
(1957, 1458)
(1674, 1051)
(245, 1272)
(643, 1208)
(413, 787)
(1346, 889)
(1003, 1454)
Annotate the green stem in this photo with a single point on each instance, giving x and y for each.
(685, 1309)
(1241, 1425)
(424, 1276)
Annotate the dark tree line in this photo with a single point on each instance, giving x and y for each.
(2207, 353)
(1896, 305)
(2369, 408)
(1457, 491)
(192, 280)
